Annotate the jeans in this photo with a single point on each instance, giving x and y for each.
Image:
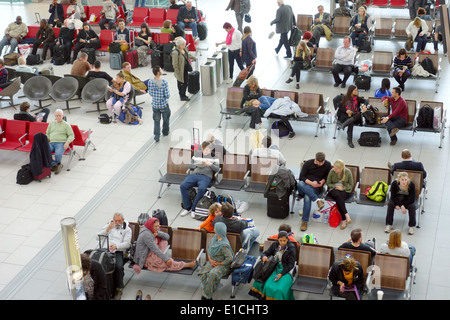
(192, 25)
(4, 42)
(58, 149)
(193, 180)
(411, 208)
(421, 42)
(110, 23)
(136, 3)
(119, 272)
(253, 233)
(232, 56)
(395, 122)
(157, 115)
(357, 38)
(309, 194)
(284, 41)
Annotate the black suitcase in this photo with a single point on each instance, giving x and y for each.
(168, 62)
(91, 54)
(157, 58)
(362, 82)
(59, 55)
(369, 139)
(277, 207)
(202, 30)
(366, 46)
(161, 216)
(193, 82)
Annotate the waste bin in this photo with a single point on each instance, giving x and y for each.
(225, 63)
(208, 78)
(217, 57)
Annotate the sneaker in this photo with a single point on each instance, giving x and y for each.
(185, 212)
(320, 204)
(304, 226)
(291, 135)
(297, 86)
(230, 81)
(289, 80)
(388, 228)
(393, 132)
(411, 231)
(193, 214)
(393, 142)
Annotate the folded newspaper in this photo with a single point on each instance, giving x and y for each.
(199, 161)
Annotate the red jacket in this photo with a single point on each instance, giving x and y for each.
(399, 108)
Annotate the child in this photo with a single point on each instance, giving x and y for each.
(214, 210)
(384, 90)
(287, 228)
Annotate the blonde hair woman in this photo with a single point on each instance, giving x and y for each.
(418, 31)
(347, 274)
(340, 186)
(360, 28)
(302, 59)
(403, 197)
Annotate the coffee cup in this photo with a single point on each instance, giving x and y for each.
(380, 295)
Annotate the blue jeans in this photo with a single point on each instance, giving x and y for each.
(193, 180)
(266, 102)
(157, 114)
(421, 42)
(4, 42)
(192, 25)
(309, 194)
(136, 3)
(58, 149)
(357, 38)
(253, 233)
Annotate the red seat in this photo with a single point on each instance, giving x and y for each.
(86, 11)
(97, 11)
(156, 17)
(2, 129)
(140, 15)
(56, 32)
(171, 15)
(82, 139)
(380, 3)
(398, 3)
(106, 37)
(65, 6)
(190, 43)
(15, 132)
(162, 37)
(32, 30)
(33, 128)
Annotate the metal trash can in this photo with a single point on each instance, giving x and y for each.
(208, 78)
(217, 57)
(225, 63)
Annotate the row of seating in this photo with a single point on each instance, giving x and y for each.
(155, 17)
(312, 104)
(19, 135)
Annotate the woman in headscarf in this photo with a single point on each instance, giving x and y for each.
(219, 256)
(150, 247)
(278, 285)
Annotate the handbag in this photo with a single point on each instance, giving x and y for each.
(247, 18)
(244, 72)
(335, 217)
(370, 115)
(409, 44)
(238, 259)
(263, 270)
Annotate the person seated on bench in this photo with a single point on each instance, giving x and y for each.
(236, 224)
(214, 210)
(396, 246)
(269, 150)
(345, 59)
(122, 36)
(438, 37)
(65, 38)
(342, 10)
(3, 75)
(340, 187)
(302, 60)
(249, 101)
(219, 258)
(109, 13)
(422, 14)
(188, 17)
(150, 247)
(398, 116)
(360, 29)
(75, 11)
(14, 34)
(137, 84)
(384, 90)
(313, 177)
(344, 274)
(97, 73)
(119, 233)
(278, 284)
(350, 114)
(408, 163)
(402, 68)
(356, 243)
(142, 42)
(25, 114)
(81, 66)
(287, 228)
(86, 38)
(119, 95)
(204, 170)
(403, 197)
(216, 145)
(44, 36)
(418, 31)
(321, 25)
(22, 67)
(60, 135)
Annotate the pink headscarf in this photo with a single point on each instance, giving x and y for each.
(149, 224)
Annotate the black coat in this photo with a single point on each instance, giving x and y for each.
(336, 274)
(287, 259)
(101, 291)
(40, 155)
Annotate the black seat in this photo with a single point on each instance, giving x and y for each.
(38, 88)
(94, 92)
(82, 81)
(64, 89)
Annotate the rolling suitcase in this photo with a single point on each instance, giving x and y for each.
(277, 207)
(193, 82)
(168, 62)
(157, 58)
(116, 60)
(46, 172)
(161, 216)
(131, 57)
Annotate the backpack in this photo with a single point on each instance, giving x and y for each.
(226, 198)
(280, 129)
(161, 216)
(136, 112)
(142, 219)
(427, 64)
(425, 117)
(24, 175)
(295, 37)
(377, 192)
(104, 118)
(202, 207)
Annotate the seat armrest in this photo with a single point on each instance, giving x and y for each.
(160, 167)
(20, 139)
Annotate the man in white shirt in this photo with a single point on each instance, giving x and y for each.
(345, 58)
(268, 150)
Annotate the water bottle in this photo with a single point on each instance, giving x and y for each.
(325, 217)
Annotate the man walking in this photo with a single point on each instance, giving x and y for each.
(159, 91)
(284, 21)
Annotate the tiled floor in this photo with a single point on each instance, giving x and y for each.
(122, 175)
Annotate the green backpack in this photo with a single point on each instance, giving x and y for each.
(378, 191)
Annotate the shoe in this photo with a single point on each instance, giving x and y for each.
(291, 135)
(118, 295)
(389, 165)
(411, 231)
(289, 80)
(276, 50)
(53, 168)
(230, 81)
(139, 295)
(156, 140)
(297, 86)
(342, 85)
(184, 212)
(393, 132)
(185, 99)
(193, 214)
(320, 204)
(388, 228)
(304, 226)
(287, 57)
(350, 144)
(147, 297)
(336, 85)
(342, 227)
(393, 142)
(59, 166)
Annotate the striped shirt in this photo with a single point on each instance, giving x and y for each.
(159, 91)
(398, 64)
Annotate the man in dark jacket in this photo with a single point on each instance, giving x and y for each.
(408, 163)
(86, 38)
(25, 115)
(65, 38)
(284, 21)
(57, 14)
(44, 36)
(188, 17)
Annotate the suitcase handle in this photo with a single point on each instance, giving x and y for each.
(100, 236)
